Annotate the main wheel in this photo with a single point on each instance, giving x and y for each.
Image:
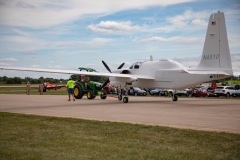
(90, 95)
(174, 97)
(125, 100)
(119, 97)
(78, 93)
(104, 95)
(228, 95)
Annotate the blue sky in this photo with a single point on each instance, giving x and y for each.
(67, 34)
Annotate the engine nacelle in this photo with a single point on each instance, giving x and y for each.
(125, 72)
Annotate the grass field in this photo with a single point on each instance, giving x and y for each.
(42, 137)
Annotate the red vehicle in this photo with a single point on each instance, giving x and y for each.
(203, 94)
(49, 86)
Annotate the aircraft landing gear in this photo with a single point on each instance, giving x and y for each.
(125, 99)
(174, 97)
(120, 96)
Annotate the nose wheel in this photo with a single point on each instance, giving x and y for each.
(125, 99)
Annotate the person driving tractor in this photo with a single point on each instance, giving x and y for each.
(85, 80)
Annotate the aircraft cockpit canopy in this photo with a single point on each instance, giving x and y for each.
(136, 65)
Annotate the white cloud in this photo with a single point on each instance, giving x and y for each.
(8, 60)
(29, 42)
(55, 67)
(114, 27)
(189, 17)
(20, 32)
(236, 58)
(35, 66)
(199, 22)
(234, 41)
(20, 39)
(189, 62)
(91, 43)
(188, 21)
(22, 43)
(46, 13)
(172, 39)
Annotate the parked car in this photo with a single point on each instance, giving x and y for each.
(236, 93)
(159, 92)
(136, 91)
(210, 89)
(203, 94)
(225, 91)
(185, 92)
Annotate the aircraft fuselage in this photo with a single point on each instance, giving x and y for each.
(166, 73)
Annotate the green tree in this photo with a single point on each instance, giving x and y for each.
(17, 80)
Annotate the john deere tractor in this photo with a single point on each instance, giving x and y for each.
(91, 89)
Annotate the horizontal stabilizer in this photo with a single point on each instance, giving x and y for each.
(209, 72)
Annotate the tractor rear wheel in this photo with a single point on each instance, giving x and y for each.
(78, 92)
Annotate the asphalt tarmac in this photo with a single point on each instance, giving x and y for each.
(211, 114)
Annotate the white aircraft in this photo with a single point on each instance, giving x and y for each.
(215, 64)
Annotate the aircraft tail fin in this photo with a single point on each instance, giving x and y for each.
(216, 54)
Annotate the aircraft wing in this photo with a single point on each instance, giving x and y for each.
(101, 74)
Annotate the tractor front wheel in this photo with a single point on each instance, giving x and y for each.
(90, 95)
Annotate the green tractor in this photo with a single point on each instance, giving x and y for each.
(91, 89)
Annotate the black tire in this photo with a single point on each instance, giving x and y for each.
(77, 91)
(125, 99)
(174, 97)
(119, 97)
(104, 95)
(90, 95)
(228, 95)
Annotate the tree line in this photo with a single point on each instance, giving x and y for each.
(18, 80)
